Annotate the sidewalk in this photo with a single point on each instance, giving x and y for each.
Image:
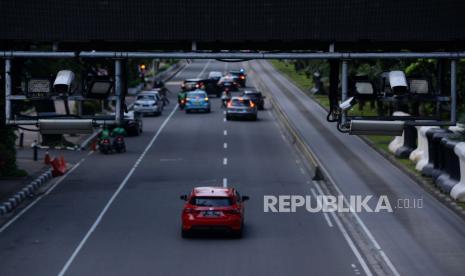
(10, 185)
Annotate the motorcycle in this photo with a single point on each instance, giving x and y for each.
(225, 97)
(182, 103)
(105, 146)
(118, 144)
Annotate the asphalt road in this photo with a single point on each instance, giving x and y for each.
(120, 214)
(417, 241)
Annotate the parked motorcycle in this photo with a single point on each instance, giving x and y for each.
(105, 146)
(119, 145)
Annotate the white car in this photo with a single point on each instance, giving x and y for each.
(148, 102)
(215, 75)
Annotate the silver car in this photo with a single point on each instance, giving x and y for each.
(241, 107)
(148, 102)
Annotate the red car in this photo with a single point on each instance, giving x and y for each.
(209, 208)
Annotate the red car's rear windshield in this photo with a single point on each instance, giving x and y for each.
(209, 201)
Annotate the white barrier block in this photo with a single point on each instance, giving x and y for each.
(422, 147)
(458, 128)
(458, 191)
(398, 141)
(424, 158)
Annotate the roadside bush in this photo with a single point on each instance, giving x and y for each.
(90, 107)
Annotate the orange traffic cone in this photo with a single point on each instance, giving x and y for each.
(47, 159)
(94, 145)
(62, 162)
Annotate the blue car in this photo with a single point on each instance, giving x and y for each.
(197, 101)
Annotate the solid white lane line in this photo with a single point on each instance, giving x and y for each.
(348, 239)
(224, 112)
(225, 182)
(224, 120)
(330, 224)
(225, 132)
(17, 216)
(386, 259)
(225, 161)
(115, 194)
(225, 145)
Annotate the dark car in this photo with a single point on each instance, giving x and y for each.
(211, 87)
(192, 84)
(132, 123)
(227, 82)
(256, 97)
(239, 76)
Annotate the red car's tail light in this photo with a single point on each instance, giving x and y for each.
(190, 211)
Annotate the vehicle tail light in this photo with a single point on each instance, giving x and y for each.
(252, 104)
(242, 77)
(229, 104)
(206, 99)
(197, 86)
(190, 211)
(183, 101)
(106, 141)
(182, 85)
(119, 138)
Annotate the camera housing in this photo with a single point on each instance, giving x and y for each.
(64, 82)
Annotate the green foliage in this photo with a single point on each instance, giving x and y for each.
(7, 151)
(300, 78)
(90, 107)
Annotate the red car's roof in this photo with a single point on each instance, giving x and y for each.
(212, 191)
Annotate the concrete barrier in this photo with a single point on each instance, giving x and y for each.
(398, 141)
(450, 175)
(410, 142)
(422, 144)
(458, 191)
(433, 136)
(439, 154)
(424, 159)
(458, 128)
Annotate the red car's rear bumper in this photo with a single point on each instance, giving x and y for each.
(231, 222)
